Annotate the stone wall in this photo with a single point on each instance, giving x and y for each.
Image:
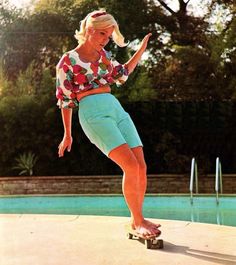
(107, 184)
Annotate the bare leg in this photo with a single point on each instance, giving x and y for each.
(125, 158)
(138, 153)
(142, 184)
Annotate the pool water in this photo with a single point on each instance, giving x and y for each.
(204, 208)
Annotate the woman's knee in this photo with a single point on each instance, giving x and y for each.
(124, 157)
(131, 165)
(142, 167)
(138, 153)
(135, 165)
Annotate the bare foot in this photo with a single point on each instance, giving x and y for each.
(149, 223)
(152, 224)
(146, 228)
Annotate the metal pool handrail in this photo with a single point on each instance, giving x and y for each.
(194, 174)
(218, 179)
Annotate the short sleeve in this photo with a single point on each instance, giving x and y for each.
(64, 84)
(120, 72)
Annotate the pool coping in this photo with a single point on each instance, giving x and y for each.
(94, 240)
(117, 195)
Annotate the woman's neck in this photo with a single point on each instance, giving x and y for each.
(87, 53)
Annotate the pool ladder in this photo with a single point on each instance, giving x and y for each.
(218, 180)
(193, 176)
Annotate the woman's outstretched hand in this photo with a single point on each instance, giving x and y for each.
(65, 144)
(145, 41)
(133, 61)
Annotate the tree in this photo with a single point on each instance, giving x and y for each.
(178, 35)
(191, 67)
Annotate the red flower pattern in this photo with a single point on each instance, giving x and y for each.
(59, 93)
(80, 79)
(65, 68)
(67, 60)
(77, 68)
(105, 69)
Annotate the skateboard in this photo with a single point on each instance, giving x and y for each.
(150, 241)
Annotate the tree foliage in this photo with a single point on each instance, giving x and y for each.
(178, 36)
(190, 57)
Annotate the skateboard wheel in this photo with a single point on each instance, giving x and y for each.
(159, 244)
(148, 243)
(129, 236)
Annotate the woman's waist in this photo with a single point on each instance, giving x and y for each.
(98, 101)
(94, 91)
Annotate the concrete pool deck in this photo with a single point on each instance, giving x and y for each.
(101, 240)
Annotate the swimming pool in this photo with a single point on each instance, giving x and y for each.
(204, 208)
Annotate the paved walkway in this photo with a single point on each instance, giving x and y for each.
(95, 240)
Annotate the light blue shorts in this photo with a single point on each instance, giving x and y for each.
(106, 123)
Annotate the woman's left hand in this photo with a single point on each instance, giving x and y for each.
(133, 61)
(145, 41)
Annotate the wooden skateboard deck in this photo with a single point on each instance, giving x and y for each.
(150, 241)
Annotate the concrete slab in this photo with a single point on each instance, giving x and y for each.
(96, 240)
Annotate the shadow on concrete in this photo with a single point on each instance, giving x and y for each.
(223, 259)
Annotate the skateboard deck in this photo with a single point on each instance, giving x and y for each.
(149, 241)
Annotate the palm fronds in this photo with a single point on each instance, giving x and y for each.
(25, 163)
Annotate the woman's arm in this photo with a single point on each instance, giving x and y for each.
(67, 139)
(133, 61)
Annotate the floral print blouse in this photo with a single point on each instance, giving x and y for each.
(74, 76)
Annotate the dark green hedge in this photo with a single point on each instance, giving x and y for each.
(172, 133)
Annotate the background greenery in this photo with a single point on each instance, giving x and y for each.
(181, 97)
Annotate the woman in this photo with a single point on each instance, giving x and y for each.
(84, 76)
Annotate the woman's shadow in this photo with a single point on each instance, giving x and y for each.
(218, 258)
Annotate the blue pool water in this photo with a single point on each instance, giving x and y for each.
(204, 208)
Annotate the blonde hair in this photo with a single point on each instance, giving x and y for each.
(99, 19)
